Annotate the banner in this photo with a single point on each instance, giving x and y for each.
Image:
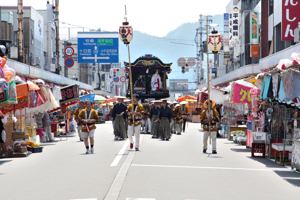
(22, 103)
(9, 95)
(290, 19)
(194, 104)
(240, 94)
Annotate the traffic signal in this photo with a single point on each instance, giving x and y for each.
(115, 71)
(183, 70)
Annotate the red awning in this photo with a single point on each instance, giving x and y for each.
(187, 97)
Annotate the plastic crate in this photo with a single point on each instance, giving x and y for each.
(36, 149)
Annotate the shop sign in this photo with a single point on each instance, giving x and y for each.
(290, 19)
(254, 51)
(69, 93)
(226, 38)
(253, 28)
(194, 104)
(234, 25)
(240, 94)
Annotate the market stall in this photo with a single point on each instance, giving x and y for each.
(280, 89)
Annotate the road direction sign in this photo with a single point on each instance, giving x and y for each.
(98, 47)
(116, 79)
(69, 62)
(123, 79)
(69, 51)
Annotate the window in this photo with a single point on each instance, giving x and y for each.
(271, 7)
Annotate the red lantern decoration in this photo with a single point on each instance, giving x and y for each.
(63, 108)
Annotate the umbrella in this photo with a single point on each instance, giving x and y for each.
(99, 98)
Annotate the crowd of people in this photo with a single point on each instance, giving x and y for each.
(160, 118)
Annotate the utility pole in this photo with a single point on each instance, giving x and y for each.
(57, 34)
(20, 31)
(199, 54)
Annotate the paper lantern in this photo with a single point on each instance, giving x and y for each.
(214, 41)
(126, 32)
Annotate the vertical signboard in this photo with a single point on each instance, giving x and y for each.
(254, 50)
(235, 24)
(226, 39)
(253, 28)
(290, 19)
(230, 26)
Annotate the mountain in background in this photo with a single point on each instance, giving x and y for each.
(177, 43)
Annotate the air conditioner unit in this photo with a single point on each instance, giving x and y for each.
(52, 68)
(37, 60)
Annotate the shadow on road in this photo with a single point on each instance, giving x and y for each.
(241, 150)
(4, 161)
(289, 176)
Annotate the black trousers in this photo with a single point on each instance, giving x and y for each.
(183, 124)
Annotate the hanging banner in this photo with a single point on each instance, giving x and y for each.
(22, 103)
(9, 95)
(253, 28)
(194, 104)
(240, 94)
(203, 97)
(290, 19)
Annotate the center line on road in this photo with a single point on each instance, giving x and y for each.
(222, 168)
(120, 154)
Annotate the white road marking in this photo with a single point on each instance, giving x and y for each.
(117, 184)
(120, 154)
(84, 199)
(220, 168)
(140, 199)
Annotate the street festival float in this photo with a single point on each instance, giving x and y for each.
(149, 75)
(281, 91)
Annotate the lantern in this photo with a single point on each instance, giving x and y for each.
(214, 41)
(125, 32)
(63, 108)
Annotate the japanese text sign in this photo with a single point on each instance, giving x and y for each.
(69, 93)
(253, 27)
(240, 94)
(290, 19)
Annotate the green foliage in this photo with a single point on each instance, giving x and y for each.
(238, 132)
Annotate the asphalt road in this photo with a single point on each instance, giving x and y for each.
(161, 170)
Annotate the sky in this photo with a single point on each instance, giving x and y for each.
(155, 17)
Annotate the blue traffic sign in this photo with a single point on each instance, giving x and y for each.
(95, 47)
(69, 62)
(116, 79)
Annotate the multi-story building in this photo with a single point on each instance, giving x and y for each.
(33, 33)
(50, 57)
(275, 31)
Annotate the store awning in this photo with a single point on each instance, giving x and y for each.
(186, 97)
